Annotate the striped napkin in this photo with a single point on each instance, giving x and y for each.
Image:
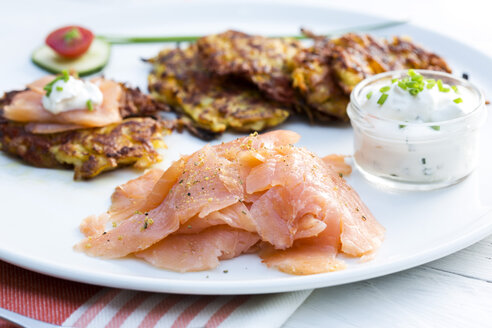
(78, 305)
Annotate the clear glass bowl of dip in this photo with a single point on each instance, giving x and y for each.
(416, 156)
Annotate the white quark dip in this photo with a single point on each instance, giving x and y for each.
(414, 131)
(70, 93)
(429, 105)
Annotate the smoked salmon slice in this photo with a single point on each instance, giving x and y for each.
(201, 251)
(315, 254)
(260, 190)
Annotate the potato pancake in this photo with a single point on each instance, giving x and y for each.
(215, 103)
(90, 151)
(264, 61)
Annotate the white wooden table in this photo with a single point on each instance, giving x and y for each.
(455, 291)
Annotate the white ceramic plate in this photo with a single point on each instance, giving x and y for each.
(41, 208)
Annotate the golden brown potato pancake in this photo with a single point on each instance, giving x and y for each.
(215, 103)
(264, 61)
(314, 79)
(91, 151)
(88, 151)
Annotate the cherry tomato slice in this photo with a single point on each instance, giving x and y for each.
(70, 41)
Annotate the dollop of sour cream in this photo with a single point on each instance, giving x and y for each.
(70, 94)
(434, 102)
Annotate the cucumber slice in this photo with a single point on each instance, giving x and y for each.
(91, 62)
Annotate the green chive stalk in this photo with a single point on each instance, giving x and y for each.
(191, 38)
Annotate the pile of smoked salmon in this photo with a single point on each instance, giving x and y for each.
(256, 194)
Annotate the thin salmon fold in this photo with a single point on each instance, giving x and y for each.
(256, 194)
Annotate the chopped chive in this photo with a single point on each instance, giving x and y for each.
(49, 87)
(72, 34)
(401, 126)
(458, 100)
(441, 86)
(436, 127)
(65, 75)
(402, 85)
(369, 95)
(89, 105)
(417, 78)
(412, 84)
(382, 99)
(455, 88)
(58, 88)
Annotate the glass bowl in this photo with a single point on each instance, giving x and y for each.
(416, 156)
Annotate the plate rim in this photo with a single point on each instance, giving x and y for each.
(233, 287)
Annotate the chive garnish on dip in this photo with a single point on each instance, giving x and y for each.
(382, 99)
(417, 130)
(414, 83)
(89, 105)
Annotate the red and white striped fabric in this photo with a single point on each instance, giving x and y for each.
(78, 305)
